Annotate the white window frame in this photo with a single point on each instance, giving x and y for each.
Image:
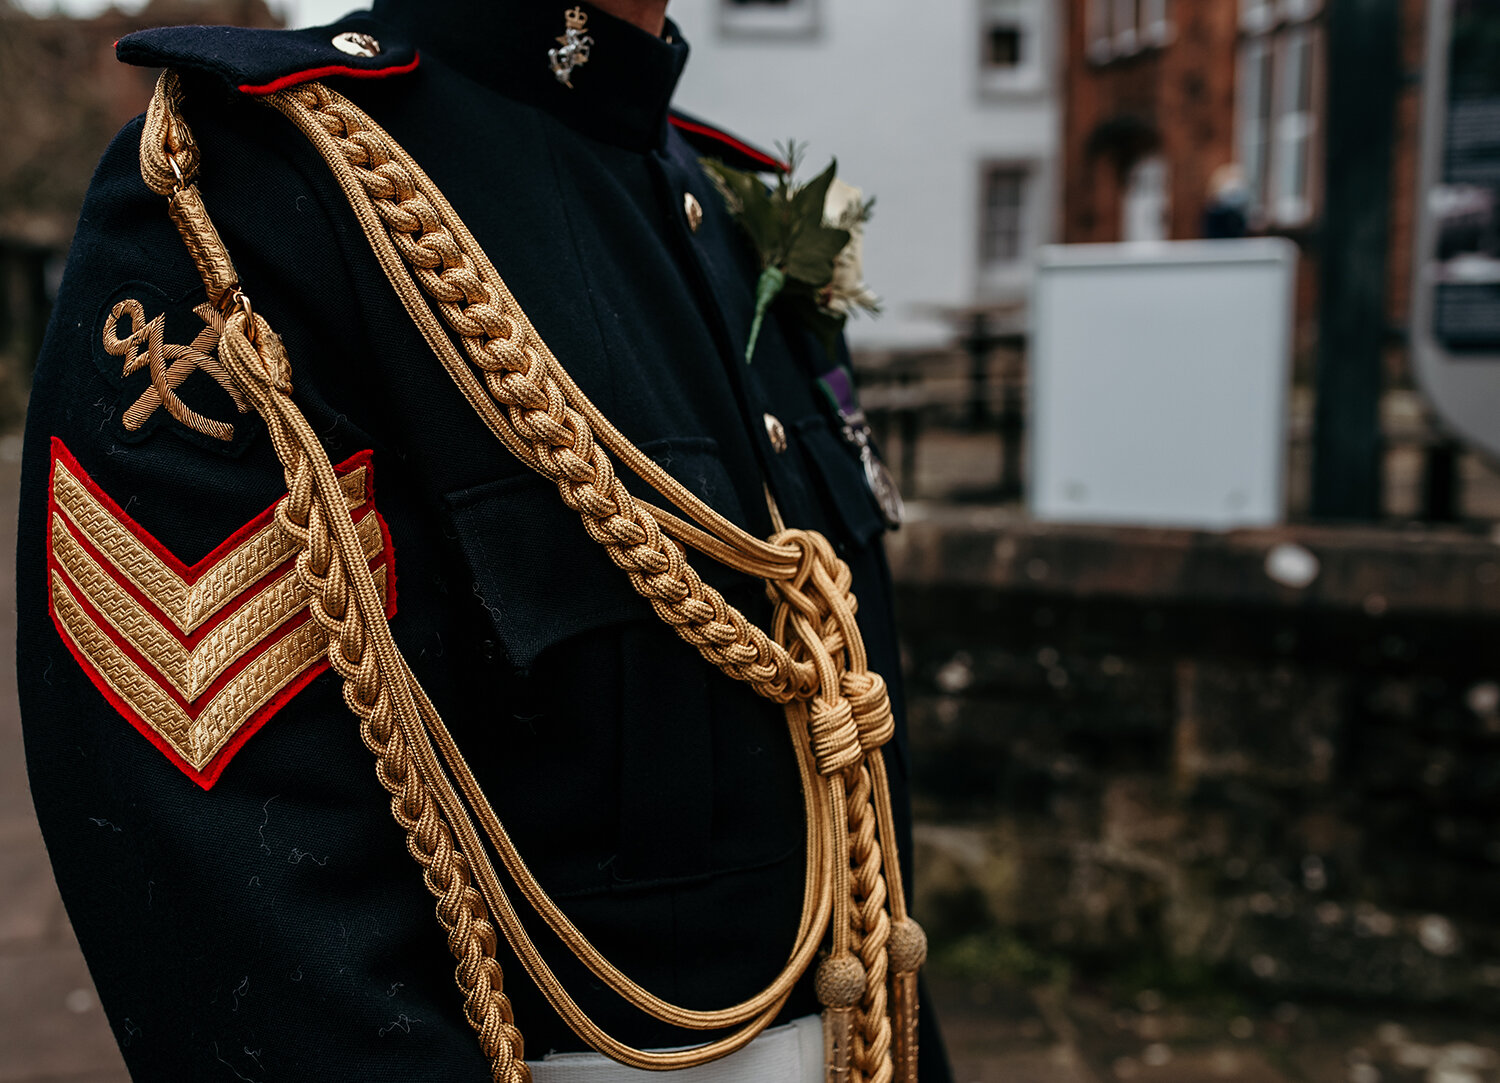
(1161, 229)
(1029, 74)
(1127, 39)
(1268, 144)
(1156, 27)
(791, 19)
(1120, 28)
(1100, 39)
(1295, 128)
(1009, 276)
(1257, 16)
(1297, 10)
(1256, 77)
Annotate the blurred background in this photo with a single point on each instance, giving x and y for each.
(1190, 373)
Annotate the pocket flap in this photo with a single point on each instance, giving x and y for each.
(538, 574)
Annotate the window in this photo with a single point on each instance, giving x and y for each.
(1295, 125)
(768, 18)
(1118, 28)
(1002, 228)
(1101, 44)
(1004, 47)
(1255, 113)
(1147, 201)
(1154, 28)
(1127, 26)
(1278, 92)
(1011, 51)
(1256, 16)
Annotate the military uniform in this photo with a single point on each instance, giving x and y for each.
(252, 914)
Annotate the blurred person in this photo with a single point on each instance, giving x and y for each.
(1227, 213)
(244, 456)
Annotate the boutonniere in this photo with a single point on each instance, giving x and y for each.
(808, 237)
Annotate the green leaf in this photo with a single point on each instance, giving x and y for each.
(730, 182)
(812, 255)
(807, 203)
(754, 206)
(767, 288)
(767, 230)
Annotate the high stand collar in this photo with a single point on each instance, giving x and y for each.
(621, 95)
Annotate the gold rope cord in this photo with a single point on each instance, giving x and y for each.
(407, 208)
(813, 663)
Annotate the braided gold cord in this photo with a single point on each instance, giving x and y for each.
(872, 930)
(522, 376)
(551, 421)
(345, 603)
(813, 661)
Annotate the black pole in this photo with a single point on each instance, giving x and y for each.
(978, 345)
(1363, 76)
(1440, 482)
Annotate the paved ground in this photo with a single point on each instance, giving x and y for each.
(51, 1027)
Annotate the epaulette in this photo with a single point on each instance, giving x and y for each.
(729, 149)
(259, 61)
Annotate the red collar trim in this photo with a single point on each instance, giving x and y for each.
(730, 141)
(310, 74)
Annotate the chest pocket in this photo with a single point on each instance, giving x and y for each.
(630, 761)
(538, 575)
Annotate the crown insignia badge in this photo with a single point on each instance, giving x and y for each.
(572, 51)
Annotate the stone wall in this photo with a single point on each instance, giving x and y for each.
(1138, 756)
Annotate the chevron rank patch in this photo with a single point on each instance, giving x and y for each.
(196, 657)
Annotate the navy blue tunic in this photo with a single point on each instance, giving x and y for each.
(273, 927)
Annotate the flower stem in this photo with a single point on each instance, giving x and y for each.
(772, 279)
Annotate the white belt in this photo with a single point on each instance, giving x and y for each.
(789, 1054)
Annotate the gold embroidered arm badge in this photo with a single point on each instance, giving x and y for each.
(196, 657)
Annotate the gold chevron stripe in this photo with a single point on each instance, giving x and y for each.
(197, 740)
(187, 605)
(189, 671)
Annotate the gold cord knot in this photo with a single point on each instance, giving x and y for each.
(907, 946)
(872, 708)
(840, 982)
(835, 738)
(169, 157)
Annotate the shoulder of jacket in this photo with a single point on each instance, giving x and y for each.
(715, 142)
(258, 62)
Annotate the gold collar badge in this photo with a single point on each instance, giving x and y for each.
(573, 47)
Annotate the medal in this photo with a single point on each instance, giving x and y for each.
(838, 386)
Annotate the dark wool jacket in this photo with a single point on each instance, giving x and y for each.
(272, 926)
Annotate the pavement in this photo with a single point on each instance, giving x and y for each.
(51, 1026)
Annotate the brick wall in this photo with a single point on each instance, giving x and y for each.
(1135, 753)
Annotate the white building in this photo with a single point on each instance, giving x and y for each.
(947, 111)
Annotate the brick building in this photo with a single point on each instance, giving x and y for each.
(66, 96)
(1160, 95)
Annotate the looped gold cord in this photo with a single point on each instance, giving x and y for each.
(169, 157)
(813, 662)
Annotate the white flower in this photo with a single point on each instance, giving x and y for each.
(844, 207)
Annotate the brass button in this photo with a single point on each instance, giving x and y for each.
(776, 432)
(694, 211)
(355, 44)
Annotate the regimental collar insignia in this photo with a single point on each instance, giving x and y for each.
(572, 47)
(196, 657)
(162, 357)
